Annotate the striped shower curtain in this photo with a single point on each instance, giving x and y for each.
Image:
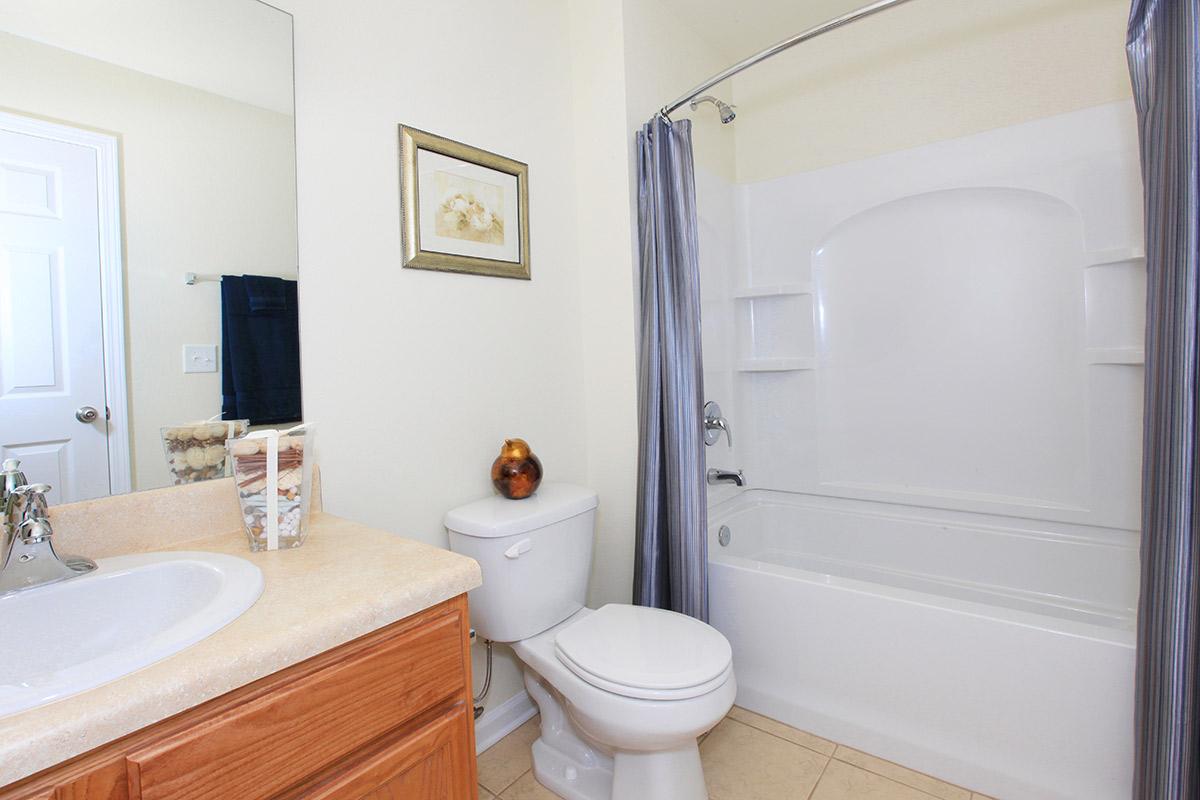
(1163, 61)
(671, 556)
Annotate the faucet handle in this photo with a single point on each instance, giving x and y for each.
(10, 476)
(722, 424)
(715, 424)
(35, 529)
(35, 500)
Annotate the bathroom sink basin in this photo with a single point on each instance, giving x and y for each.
(65, 638)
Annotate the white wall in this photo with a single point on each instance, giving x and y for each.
(607, 288)
(923, 72)
(416, 377)
(627, 61)
(207, 185)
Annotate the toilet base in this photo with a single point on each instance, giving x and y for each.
(661, 775)
(675, 775)
(576, 768)
(569, 778)
(564, 762)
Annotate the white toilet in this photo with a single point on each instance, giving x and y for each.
(623, 691)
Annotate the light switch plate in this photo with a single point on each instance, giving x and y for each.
(199, 358)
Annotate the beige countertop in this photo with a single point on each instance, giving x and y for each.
(344, 582)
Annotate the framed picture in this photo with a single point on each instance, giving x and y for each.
(464, 209)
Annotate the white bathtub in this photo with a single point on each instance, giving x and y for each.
(995, 653)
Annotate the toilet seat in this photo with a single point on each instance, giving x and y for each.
(645, 653)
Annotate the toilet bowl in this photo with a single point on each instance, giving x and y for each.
(603, 737)
(624, 691)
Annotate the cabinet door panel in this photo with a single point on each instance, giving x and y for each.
(279, 739)
(430, 763)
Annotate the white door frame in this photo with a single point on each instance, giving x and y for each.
(112, 280)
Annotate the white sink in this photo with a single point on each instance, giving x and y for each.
(68, 637)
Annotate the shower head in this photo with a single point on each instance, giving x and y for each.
(725, 109)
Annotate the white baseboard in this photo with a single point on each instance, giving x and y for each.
(496, 723)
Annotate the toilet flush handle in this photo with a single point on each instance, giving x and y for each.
(518, 549)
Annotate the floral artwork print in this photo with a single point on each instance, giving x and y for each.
(470, 209)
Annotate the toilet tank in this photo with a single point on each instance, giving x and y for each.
(535, 555)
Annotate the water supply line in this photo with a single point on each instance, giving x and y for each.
(487, 678)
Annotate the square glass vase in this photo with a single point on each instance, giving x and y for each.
(196, 451)
(293, 488)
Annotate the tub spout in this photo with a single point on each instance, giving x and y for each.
(716, 476)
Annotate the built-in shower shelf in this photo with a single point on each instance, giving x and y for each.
(1119, 255)
(1116, 355)
(776, 364)
(776, 290)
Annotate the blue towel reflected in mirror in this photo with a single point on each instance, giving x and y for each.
(260, 337)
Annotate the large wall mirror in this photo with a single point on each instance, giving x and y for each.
(148, 259)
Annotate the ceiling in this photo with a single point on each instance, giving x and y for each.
(241, 49)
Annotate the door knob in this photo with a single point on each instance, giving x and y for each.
(87, 414)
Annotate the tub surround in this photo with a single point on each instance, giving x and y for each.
(345, 582)
(953, 495)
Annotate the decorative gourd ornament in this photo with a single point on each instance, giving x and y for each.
(516, 472)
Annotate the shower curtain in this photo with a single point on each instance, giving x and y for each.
(671, 557)
(1165, 67)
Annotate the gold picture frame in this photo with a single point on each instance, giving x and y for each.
(457, 206)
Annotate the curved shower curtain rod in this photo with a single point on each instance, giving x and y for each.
(779, 47)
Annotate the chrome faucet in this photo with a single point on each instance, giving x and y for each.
(28, 558)
(716, 476)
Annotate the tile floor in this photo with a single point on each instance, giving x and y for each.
(746, 757)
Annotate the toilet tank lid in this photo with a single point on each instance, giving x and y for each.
(498, 516)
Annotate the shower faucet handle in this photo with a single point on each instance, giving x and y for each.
(715, 425)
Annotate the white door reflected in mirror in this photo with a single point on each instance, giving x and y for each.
(51, 353)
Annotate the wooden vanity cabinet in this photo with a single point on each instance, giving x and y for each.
(385, 717)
